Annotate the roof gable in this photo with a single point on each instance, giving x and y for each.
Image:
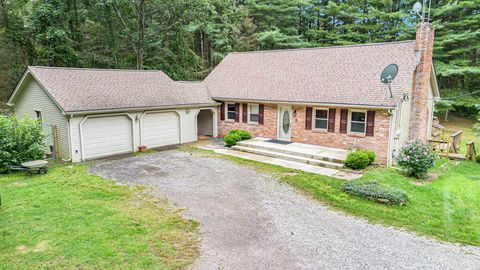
(24, 80)
(332, 75)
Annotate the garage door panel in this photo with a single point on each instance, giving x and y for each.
(160, 129)
(106, 136)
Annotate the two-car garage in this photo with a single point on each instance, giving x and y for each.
(102, 136)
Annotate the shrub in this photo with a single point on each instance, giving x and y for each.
(373, 191)
(20, 140)
(416, 158)
(478, 158)
(371, 155)
(245, 135)
(358, 160)
(232, 139)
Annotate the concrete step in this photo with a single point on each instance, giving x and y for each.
(272, 148)
(289, 157)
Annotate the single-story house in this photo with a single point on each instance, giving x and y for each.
(329, 96)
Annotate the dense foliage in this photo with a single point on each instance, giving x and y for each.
(416, 158)
(236, 135)
(245, 135)
(373, 191)
(360, 159)
(188, 38)
(20, 140)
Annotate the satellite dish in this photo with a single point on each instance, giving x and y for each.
(388, 75)
(416, 8)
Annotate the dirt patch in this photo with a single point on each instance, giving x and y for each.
(41, 246)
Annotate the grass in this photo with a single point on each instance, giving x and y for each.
(465, 125)
(69, 219)
(447, 209)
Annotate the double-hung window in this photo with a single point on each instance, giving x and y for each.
(358, 122)
(253, 113)
(231, 111)
(321, 119)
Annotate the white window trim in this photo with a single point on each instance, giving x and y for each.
(226, 111)
(248, 114)
(314, 118)
(349, 123)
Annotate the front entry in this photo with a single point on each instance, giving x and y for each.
(284, 123)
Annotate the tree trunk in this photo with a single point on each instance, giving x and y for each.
(141, 34)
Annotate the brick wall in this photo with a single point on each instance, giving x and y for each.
(377, 143)
(267, 130)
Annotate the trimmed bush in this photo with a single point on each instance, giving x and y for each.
(232, 139)
(478, 158)
(236, 135)
(20, 140)
(245, 135)
(371, 155)
(373, 191)
(416, 158)
(358, 160)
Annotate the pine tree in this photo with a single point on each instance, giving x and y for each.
(457, 43)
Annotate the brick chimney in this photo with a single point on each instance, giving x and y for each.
(421, 83)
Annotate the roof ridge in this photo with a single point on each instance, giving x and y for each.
(97, 69)
(327, 47)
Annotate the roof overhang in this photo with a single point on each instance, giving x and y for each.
(21, 82)
(141, 109)
(306, 103)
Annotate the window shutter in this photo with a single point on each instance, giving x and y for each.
(222, 111)
(244, 112)
(370, 123)
(260, 114)
(331, 120)
(237, 112)
(308, 118)
(343, 120)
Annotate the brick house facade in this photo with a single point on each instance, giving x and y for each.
(300, 133)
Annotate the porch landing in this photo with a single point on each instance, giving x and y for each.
(299, 152)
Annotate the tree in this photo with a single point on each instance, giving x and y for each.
(52, 43)
(457, 43)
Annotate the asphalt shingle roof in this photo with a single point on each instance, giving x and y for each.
(330, 75)
(336, 75)
(76, 89)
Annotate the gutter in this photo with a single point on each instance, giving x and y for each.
(133, 109)
(347, 105)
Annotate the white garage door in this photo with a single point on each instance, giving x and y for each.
(160, 129)
(106, 136)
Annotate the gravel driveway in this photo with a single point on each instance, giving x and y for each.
(251, 221)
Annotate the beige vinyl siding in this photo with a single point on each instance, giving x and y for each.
(75, 137)
(32, 97)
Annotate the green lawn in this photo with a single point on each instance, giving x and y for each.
(68, 219)
(464, 125)
(447, 208)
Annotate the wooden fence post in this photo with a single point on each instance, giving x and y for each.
(471, 153)
(55, 141)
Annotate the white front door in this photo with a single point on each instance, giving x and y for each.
(284, 123)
